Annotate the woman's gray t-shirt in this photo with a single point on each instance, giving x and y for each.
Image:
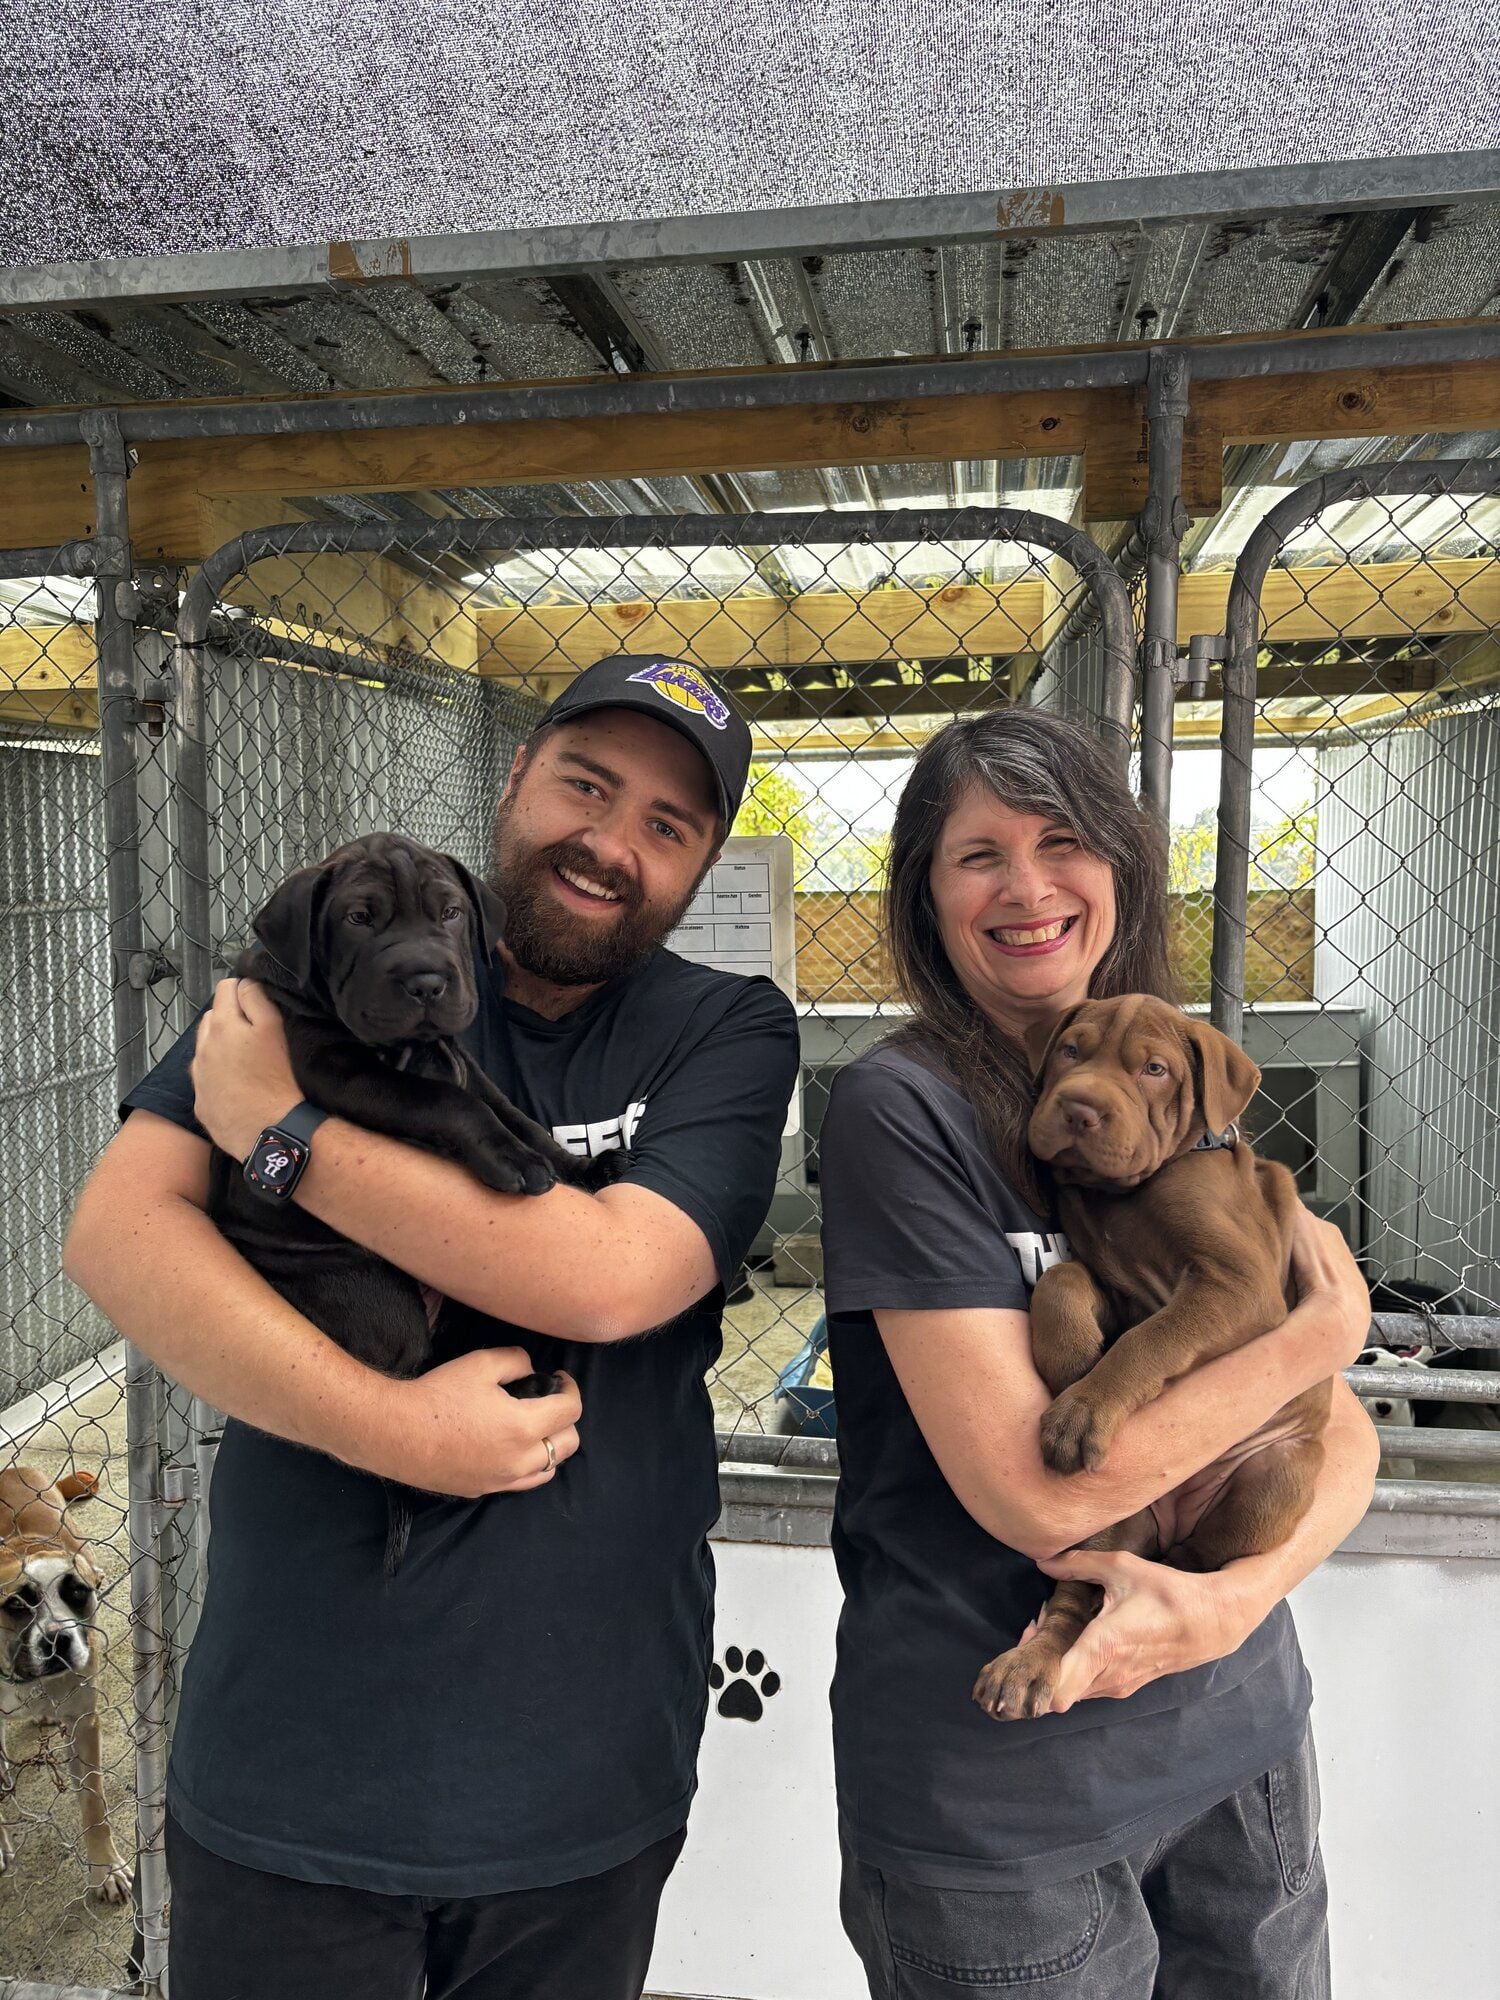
(917, 1216)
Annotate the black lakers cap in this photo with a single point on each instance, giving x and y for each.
(678, 694)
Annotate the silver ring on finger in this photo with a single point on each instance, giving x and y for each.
(551, 1454)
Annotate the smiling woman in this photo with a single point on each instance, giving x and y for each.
(1120, 1835)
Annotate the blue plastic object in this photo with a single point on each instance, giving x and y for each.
(805, 1408)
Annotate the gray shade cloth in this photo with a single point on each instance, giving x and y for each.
(172, 128)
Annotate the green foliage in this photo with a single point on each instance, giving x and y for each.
(775, 803)
(1282, 852)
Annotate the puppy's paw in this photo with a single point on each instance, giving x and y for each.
(602, 1171)
(110, 1882)
(1019, 1684)
(510, 1169)
(1076, 1434)
(526, 1387)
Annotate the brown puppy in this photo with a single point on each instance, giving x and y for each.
(49, 1653)
(1182, 1241)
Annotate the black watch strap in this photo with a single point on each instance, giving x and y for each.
(301, 1121)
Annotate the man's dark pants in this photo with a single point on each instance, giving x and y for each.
(1231, 1906)
(242, 1934)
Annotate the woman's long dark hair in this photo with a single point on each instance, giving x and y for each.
(1038, 764)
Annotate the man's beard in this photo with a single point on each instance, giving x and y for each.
(550, 942)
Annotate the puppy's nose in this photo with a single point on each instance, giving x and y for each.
(425, 985)
(1080, 1117)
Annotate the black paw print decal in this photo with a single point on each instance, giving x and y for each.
(745, 1684)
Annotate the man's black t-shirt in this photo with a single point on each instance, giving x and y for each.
(521, 1704)
(918, 1217)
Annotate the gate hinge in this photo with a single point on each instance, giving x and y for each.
(178, 1484)
(1190, 669)
(147, 968)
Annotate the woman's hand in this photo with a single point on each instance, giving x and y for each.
(1324, 1270)
(1154, 1621)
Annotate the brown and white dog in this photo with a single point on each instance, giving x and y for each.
(49, 1653)
(1182, 1245)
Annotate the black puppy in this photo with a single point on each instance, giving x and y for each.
(370, 957)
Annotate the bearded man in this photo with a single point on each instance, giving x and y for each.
(472, 1778)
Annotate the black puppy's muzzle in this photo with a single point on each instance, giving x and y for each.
(414, 999)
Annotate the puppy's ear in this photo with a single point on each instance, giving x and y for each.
(288, 923)
(488, 907)
(1041, 1037)
(1226, 1077)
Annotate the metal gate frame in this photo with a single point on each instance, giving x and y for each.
(1239, 647)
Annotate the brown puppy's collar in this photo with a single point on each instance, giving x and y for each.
(1217, 1142)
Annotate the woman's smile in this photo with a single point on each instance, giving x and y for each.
(1032, 940)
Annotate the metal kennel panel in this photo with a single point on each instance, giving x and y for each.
(1364, 640)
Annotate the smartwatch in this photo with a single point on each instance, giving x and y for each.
(279, 1157)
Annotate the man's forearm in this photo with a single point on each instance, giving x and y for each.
(564, 1263)
(172, 1285)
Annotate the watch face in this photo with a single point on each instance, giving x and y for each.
(276, 1162)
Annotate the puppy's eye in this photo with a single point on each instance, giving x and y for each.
(1068, 1049)
(359, 915)
(15, 1607)
(452, 911)
(1154, 1069)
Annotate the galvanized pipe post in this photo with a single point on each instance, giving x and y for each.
(114, 634)
(1164, 521)
(114, 639)
(1232, 863)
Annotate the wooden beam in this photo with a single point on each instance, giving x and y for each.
(338, 601)
(818, 627)
(46, 661)
(361, 598)
(46, 495)
(1433, 597)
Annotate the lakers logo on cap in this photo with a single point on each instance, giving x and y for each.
(684, 685)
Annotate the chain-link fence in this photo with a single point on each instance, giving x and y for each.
(1358, 867)
(319, 681)
(62, 1390)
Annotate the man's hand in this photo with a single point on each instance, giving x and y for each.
(1323, 1268)
(1154, 1621)
(457, 1430)
(242, 1073)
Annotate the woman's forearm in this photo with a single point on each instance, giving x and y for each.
(1192, 1423)
(1341, 1497)
(1158, 1620)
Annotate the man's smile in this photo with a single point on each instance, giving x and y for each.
(584, 885)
